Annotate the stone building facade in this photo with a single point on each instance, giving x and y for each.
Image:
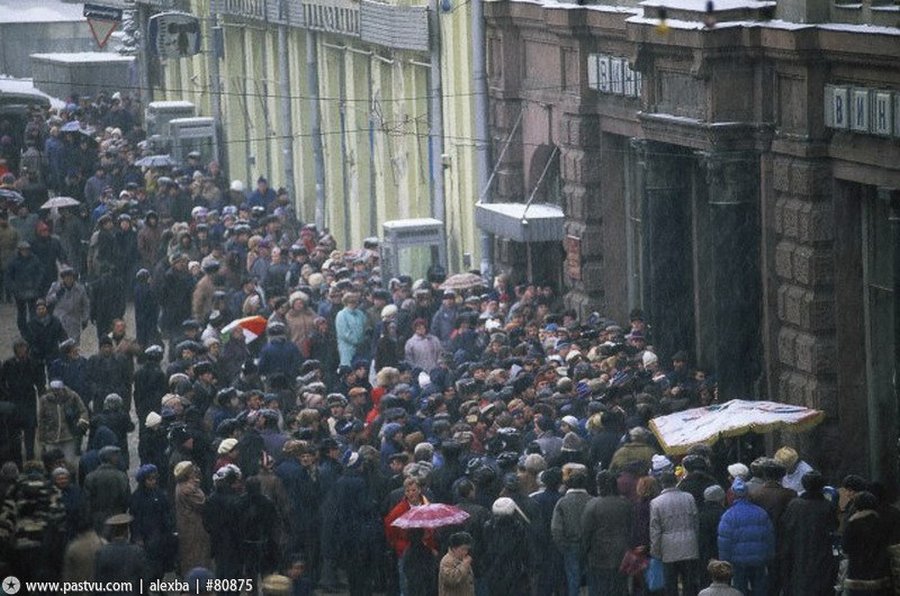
(735, 173)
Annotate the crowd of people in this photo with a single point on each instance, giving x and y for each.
(285, 455)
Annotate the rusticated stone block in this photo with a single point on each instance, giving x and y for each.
(581, 167)
(815, 222)
(787, 352)
(789, 300)
(790, 218)
(803, 390)
(813, 266)
(591, 242)
(784, 259)
(781, 173)
(815, 354)
(806, 309)
(580, 130)
(810, 179)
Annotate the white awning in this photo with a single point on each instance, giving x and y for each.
(538, 222)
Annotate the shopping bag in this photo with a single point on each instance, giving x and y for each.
(653, 576)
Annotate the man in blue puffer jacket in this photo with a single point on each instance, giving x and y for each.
(747, 541)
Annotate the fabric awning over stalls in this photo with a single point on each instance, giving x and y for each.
(538, 222)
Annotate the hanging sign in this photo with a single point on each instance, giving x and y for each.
(174, 34)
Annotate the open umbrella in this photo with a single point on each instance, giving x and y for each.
(59, 202)
(433, 515)
(462, 281)
(677, 432)
(155, 161)
(71, 126)
(253, 327)
(8, 194)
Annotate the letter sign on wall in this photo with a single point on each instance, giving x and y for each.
(859, 112)
(882, 114)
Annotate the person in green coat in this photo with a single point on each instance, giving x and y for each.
(350, 328)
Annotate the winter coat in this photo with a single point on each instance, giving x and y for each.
(279, 356)
(121, 562)
(746, 535)
(44, 334)
(865, 543)
(153, 527)
(150, 384)
(107, 374)
(59, 415)
(673, 526)
(508, 562)
(350, 329)
(20, 383)
(774, 498)
(49, 251)
(193, 540)
(566, 524)
(175, 299)
(80, 557)
(105, 494)
(423, 352)
(219, 518)
(23, 277)
(356, 532)
(806, 551)
(202, 298)
(300, 326)
(71, 306)
(9, 239)
(695, 483)
(710, 515)
(639, 454)
(72, 371)
(454, 578)
(146, 314)
(443, 323)
(606, 532)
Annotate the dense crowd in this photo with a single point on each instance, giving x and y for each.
(291, 404)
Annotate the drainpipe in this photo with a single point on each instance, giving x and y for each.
(436, 134)
(482, 134)
(217, 47)
(315, 117)
(284, 87)
(143, 16)
(345, 178)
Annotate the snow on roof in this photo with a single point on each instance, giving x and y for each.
(40, 11)
(700, 5)
(171, 105)
(83, 57)
(411, 223)
(573, 5)
(520, 210)
(846, 27)
(11, 85)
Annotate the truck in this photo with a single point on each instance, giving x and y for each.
(174, 127)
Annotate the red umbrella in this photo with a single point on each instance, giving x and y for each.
(253, 327)
(433, 515)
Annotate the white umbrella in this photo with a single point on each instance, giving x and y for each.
(59, 202)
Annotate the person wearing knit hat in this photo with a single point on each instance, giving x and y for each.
(747, 540)
(795, 468)
(659, 464)
(193, 540)
(739, 470)
(720, 572)
(710, 511)
(153, 420)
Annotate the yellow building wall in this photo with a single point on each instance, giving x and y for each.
(385, 98)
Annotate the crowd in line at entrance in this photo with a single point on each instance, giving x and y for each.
(290, 404)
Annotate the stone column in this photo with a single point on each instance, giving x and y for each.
(728, 284)
(580, 172)
(665, 186)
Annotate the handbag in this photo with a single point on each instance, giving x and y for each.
(634, 562)
(653, 576)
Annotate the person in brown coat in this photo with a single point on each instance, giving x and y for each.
(455, 577)
(81, 553)
(193, 541)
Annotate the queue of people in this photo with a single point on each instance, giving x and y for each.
(285, 455)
